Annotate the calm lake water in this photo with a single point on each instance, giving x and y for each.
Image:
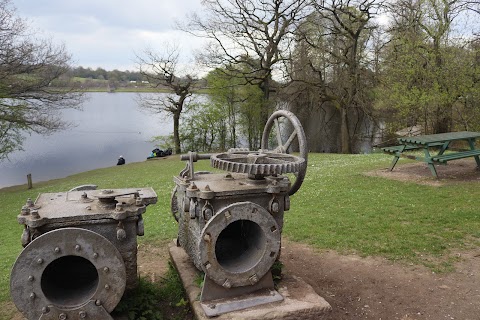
(109, 125)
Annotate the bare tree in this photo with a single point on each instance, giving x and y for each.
(331, 56)
(256, 33)
(162, 70)
(29, 68)
(473, 5)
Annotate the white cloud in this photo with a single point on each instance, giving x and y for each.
(107, 33)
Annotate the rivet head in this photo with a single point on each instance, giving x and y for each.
(253, 279)
(32, 296)
(207, 238)
(45, 310)
(29, 202)
(106, 270)
(25, 211)
(98, 302)
(62, 316)
(82, 314)
(35, 214)
(77, 247)
(107, 287)
(95, 255)
(275, 207)
(31, 278)
(227, 284)
(57, 250)
(39, 260)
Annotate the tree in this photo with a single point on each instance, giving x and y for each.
(28, 67)
(239, 104)
(163, 70)
(253, 32)
(331, 57)
(473, 5)
(429, 74)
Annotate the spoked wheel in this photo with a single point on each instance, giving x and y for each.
(282, 122)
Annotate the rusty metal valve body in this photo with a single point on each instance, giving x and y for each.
(230, 223)
(233, 233)
(80, 252)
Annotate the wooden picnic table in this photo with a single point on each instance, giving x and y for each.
(440, 142)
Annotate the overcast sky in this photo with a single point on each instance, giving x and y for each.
(108, 33)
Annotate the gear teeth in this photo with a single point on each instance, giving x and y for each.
(223, 161)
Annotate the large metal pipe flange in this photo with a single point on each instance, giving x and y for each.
(69, 271)
(239, 245)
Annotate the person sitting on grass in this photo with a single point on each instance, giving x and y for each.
(120, 161)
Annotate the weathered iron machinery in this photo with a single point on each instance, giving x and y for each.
(230, 224)
(80, 252)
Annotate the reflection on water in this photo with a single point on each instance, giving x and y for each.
(110, 125)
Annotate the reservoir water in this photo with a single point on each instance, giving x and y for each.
(109, 125)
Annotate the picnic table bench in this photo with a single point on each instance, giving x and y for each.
(440, 142)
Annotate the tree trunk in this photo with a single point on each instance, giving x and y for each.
(264, 114)
(443, 120)
(344, 132)
(176, 134)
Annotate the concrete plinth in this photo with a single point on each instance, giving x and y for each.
(300, 300)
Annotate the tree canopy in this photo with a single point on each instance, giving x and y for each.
(28, 66)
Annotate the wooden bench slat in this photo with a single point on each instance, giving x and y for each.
(394, 149)
(454, 156)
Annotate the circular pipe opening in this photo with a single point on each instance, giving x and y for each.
(69, 281)
(240, 246)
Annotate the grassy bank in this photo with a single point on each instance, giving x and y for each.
(337, 208)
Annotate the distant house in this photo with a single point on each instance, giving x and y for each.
(145, 82)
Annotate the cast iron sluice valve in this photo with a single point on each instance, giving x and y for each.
(80, 252)
(230, 224)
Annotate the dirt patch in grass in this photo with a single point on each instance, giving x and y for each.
(152, 261)
(9, 311)
(418, 172)
(362, 288)
(374, 288)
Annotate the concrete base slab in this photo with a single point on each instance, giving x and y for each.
(300, 300)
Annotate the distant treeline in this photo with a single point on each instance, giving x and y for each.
(102, 74)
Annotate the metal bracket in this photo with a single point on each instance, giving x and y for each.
(216, 300)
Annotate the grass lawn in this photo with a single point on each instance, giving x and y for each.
(336, 208)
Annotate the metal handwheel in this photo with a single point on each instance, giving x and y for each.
(276, 119)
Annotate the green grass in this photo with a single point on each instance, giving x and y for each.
(337, 208)
(340, 208)
(156, 301)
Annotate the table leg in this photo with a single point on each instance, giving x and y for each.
(428, 160)
(394, 162)
(396, 157)
(443, 148)
(471, 143)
